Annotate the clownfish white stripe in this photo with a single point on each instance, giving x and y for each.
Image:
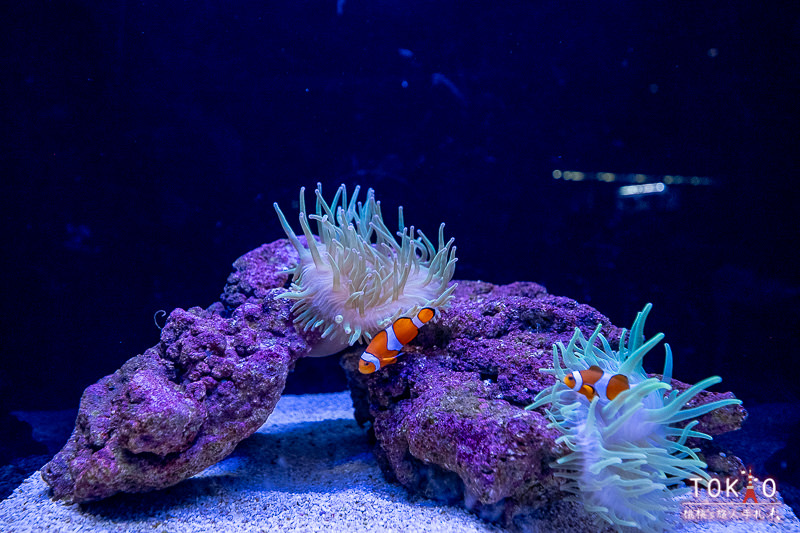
(417, 322)
(601, 386)
(578, 380)
(391, 340)
(366, 356)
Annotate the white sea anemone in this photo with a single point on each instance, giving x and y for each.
(353, 277)
(628, 458)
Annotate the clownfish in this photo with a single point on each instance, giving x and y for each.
(384, 347)
(596, 382)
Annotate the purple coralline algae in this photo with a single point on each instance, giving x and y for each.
(184, 404)
(448, 418)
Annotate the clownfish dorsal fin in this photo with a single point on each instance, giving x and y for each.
(596, 368)
(624, 379)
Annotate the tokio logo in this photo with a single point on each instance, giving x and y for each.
(727, 500)
(768, 487)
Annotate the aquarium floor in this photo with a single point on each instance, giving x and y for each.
(309, 468)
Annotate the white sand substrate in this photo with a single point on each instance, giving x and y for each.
(309, 468)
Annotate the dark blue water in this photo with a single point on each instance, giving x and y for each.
(146, 141)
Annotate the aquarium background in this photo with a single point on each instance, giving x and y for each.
(145, 142)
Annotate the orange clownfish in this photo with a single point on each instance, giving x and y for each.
(386, 345)
(596, 382)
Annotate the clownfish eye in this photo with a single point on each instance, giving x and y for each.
(366, 367)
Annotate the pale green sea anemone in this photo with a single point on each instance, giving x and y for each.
(628, 458)
(353, 277)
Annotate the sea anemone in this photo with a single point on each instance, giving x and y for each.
(353, 277)
(628, 456)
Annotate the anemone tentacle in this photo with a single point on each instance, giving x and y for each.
(627, 459)
(353, 277)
